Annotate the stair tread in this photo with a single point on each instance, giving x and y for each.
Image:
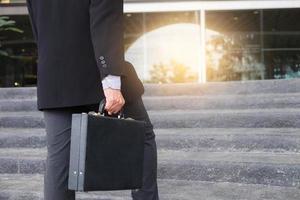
(220, 96)
(179, 132)
(195, 139)
(226, 131)
(168, 189)
(235, 157)
(18, 100)
(187, 96)
(187, 102)
(21, 113)
(176, 111)
(21, 132)
(227, 111)
(180, 156)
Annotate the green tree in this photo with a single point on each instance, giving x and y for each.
(159, 73)
(7, 25)
(174, 72)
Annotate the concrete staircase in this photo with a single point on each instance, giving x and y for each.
(216, 141)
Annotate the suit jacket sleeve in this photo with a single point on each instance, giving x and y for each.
(32, 19)
(106, 27)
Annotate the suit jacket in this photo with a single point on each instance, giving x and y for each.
(79, 43)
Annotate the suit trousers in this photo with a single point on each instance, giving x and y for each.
(58, 133)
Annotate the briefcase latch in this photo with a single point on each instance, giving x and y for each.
(96, 113)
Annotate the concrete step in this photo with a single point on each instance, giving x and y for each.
(30, 187)
(251, 101)
(277, 169)
(22, 137)
(167, 89)
(227, 87)
(18, 104)
(196, 139)
(33, 119)
(257, 101)
(281, 169)
(18, 93)
(229, 139)
(246, 118)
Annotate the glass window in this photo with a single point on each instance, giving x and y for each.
(17, 52)
(233, 45)
(282, 43)
(12, 1)
(164, 47)
(252, 44)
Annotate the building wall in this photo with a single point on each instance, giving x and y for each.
(239, 44)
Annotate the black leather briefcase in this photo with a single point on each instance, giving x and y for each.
(106, 152)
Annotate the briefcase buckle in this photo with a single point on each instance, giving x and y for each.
(121, 114)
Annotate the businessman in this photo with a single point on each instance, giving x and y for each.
(80, 62)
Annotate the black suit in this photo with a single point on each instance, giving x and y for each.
(79, 43)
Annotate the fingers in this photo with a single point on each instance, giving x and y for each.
(116, 107)
(114, 100)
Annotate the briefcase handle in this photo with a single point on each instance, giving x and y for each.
(102, 106)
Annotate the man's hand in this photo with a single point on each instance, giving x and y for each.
(114, 100)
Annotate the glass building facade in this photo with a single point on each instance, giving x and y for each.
(253, 44)
(177, 46)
